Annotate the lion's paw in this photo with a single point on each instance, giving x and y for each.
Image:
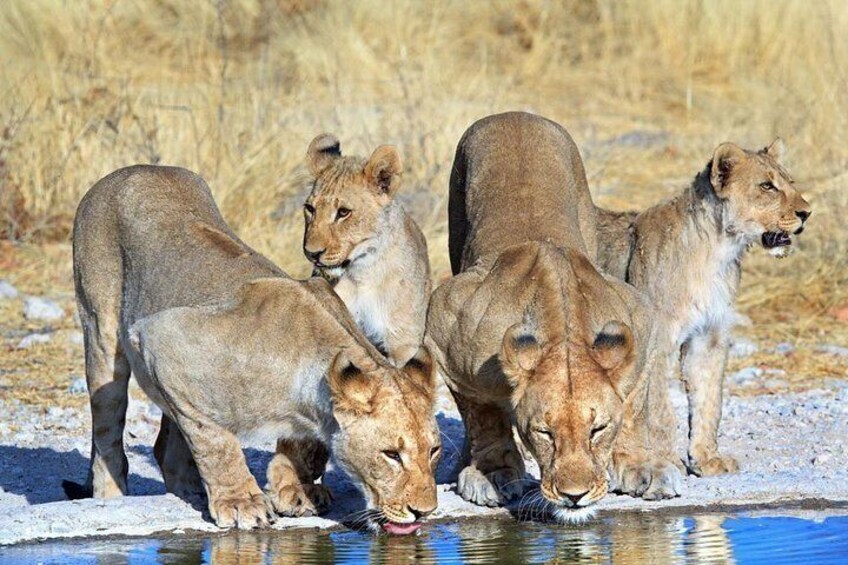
(301, 500)
(245, 513)
(713, 464)
(491, 489)
(648, 479)
(666, 482)
(511, 483)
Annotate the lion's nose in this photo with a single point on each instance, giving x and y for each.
(803, 214)
(573, 498)
(313, 255)
(418, 513)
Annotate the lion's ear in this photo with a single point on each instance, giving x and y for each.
(352, 390)
(520, 354)
(613, 349)
(422, 370)
(612, 345)
(384, 169)
(725, 157)
(777, 149)
(323, 150)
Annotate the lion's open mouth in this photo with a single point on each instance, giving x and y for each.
(401, 529)
(774, 239)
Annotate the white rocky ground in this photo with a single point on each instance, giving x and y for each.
(791, 447)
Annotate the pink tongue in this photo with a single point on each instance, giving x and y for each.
(401, 529)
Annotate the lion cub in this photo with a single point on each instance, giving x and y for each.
(686, 254)
(360, 239)
(227, 345)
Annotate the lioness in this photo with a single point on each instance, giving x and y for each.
(686, 254)
(361, 239)
(528, 332)
(226, 344)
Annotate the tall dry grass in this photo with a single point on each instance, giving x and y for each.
(236, 89)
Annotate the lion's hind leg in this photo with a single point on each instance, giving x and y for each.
(107, 374)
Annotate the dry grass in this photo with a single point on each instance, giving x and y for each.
(236, 90)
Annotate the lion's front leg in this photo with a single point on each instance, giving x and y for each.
(292, 473)
(234, 497)
(495, 473)
(644, 463)
(703, 361)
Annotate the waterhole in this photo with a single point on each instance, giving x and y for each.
(770, 537)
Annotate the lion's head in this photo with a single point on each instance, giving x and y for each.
(759, 195)
(568, 399)
(348, 198)
(388, 440)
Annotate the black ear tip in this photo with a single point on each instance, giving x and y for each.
(333, 149)
(524, 340)
(612, 335)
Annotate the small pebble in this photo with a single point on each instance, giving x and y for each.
(831, 349)
(33, 339)
(822, 459)
(746, 376)
(784, 348)
(7, 291)
(36, 308)
(78, 386)
(743, 347)
(75, 338)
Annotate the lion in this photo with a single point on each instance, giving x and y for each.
(686, 254)
(227, 345)
(360, 239)
(528, 333)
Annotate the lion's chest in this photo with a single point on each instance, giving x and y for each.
(369, 308)
(710, 292)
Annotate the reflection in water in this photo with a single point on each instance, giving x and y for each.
(620, 538)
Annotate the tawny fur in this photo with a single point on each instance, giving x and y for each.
(528, 333)
(361, 240)
(686, 254)
(227, 345)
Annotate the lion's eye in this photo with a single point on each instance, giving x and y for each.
(597, 430)
(768, 186)
(342, 213)
(435, 451)
(309, 209)
(393, 455)
(545, 433)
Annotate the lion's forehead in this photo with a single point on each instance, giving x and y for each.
(759, 167)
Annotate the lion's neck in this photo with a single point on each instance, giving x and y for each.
(686, 256)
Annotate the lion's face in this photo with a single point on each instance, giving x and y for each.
(343, 211)
(759, 194)
(568, 401)
(388, 441)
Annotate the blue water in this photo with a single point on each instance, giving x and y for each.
(622, 538)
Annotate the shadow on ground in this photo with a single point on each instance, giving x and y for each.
(36, 473)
